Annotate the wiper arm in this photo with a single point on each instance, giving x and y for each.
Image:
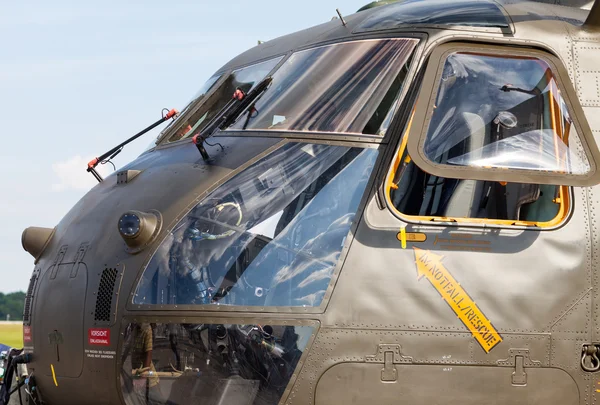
(228, 114)
(509, 87)
(106, 157)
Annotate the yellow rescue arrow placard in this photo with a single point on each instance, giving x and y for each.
(430, 265)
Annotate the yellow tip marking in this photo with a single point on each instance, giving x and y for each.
(597, 390)
(53, 375)
(403, 237)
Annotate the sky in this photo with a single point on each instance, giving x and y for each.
(78, 78)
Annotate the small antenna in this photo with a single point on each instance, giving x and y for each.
(341, 17)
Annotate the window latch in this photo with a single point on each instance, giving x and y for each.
(389, 355)
(519, 359)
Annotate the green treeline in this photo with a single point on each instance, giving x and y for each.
(12, 304)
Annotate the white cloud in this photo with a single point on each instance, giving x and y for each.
(73, 175)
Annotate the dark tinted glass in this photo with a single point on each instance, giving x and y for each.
(351, 87)
(436, 12)
(210, 363)
(244, 79)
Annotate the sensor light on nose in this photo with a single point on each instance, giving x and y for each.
(129, 225)
(138, 229)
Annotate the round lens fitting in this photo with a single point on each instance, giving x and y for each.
(129, 225)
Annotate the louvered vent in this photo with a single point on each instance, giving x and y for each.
(28, 297)
(105, 295)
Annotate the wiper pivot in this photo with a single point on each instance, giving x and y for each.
(239, 102)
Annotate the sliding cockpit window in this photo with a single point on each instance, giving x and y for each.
(501, 115)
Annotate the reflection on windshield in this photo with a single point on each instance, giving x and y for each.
(505, 112)
(197, 97)
(204, 89)
(480, 13)
(350, 87)
(244, 79)
(271, 236)
(229, 364)
(525, 151)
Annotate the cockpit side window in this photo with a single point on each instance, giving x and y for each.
(418, 195)
(497, 112)
(495, 115)
(502, 112)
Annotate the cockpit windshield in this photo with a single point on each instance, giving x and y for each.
(208, 106)
(271, 236)
(351, 87)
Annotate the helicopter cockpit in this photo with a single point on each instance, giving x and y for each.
(271, 235)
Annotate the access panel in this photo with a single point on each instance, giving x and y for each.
(58, 337)
(358, 383)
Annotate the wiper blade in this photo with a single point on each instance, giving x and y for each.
(106, 157)
(229, 113)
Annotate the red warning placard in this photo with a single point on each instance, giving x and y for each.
(26, 334)
(99, 336)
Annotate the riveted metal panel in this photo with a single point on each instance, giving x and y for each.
(461, 385)
(446, 350)
(585, 54)
(503, 271)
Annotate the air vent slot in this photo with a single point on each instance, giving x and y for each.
(28, 299)
(104, 299)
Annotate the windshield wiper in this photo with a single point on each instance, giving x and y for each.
(239, 102)
(108, 156)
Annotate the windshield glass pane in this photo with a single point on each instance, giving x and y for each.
(199, 94)
(213, 364)
(244, 79)
(271, 236)
(351, 87)
(502, 112)
(205, 88)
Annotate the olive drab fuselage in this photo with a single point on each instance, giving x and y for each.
(407, 211)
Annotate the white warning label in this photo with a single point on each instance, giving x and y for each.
(100, 354)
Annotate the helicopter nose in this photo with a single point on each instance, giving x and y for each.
(35, 240)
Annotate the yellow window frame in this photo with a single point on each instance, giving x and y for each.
(563, 199)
